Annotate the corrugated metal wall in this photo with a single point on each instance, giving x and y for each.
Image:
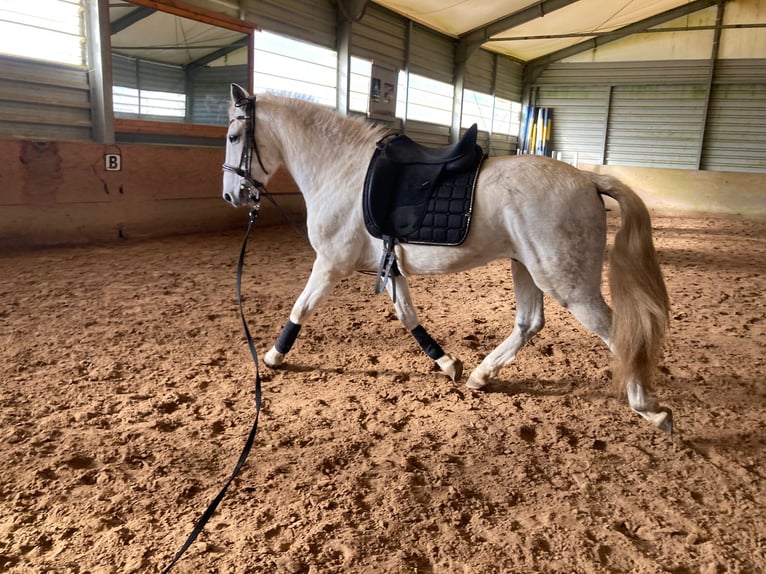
(308, 20)
(44, 101)
(625, 73)
(502, 144)
(508, 85)
(207, 88)
(736, 130)
(209, 100)
(653, 113)
(432, 54)
(480, 72)
(509, 79)
(655, 126)
(579, 120)
(141, 74)
(380, 36)
(736, 127)
(623, 113)
(428, 134)
(480, 77)
(383, 37)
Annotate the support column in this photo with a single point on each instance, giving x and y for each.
(349, 11)
(98, 30)
(710, 77)
(343, 47)
(463, 52)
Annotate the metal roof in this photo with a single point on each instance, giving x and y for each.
(549, 29)
(538, 31)
(175, 41)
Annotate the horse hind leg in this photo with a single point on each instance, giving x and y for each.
(407, 315)
(530, 319)
(642, 402)
(587, 305)
(593, 312)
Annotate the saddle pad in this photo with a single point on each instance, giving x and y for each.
(448, 215)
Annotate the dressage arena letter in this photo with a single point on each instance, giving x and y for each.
(112, 162)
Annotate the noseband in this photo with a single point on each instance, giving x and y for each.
(247, 184)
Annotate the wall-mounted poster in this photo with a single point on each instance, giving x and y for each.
(383, 93)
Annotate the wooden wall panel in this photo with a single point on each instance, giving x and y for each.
(60, 192)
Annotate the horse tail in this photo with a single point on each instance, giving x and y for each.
(639, 297)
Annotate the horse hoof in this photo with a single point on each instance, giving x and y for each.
(664, 421)
(451, 367)
(476, 381)
(273, 358)
(662, 418)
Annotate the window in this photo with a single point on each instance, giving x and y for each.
(298, 68)
(478, 109)
(50, 30)
(427, 100)
(507, 117)
(359, 90)
(130, 102)
(492, 114)
(171, 67)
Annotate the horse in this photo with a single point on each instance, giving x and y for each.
(547, 217)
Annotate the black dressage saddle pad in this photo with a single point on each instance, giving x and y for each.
(419, 194)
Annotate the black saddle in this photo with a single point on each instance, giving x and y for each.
(419, 194)
(401, 180)
(456, 157)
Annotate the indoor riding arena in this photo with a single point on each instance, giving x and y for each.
(127, 384)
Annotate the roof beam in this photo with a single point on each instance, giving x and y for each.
(470, 41)
(534, 68)
(220, 53)
(131, 18)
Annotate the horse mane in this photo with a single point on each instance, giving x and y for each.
(326, 121)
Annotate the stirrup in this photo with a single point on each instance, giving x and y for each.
(387, 268)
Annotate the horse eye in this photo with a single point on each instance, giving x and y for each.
(233, 138)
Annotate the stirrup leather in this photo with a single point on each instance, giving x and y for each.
(387, 268)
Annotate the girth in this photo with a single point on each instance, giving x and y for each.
(419, 194)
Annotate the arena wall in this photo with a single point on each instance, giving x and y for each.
(59, 192)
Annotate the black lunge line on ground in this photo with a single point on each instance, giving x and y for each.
(251, 437)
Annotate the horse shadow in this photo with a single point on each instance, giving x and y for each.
(544, 387)
(536, 387)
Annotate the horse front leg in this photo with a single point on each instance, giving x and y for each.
(321, 282)
(406, 313)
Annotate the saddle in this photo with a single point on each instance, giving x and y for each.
(419, 194)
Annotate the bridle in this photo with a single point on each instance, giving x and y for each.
(248, 184)
(252, 187)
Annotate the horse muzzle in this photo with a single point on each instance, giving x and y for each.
(248, 192)
(246, 197)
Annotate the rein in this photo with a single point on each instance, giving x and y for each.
(203, 520)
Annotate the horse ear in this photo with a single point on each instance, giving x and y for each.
(238, 93)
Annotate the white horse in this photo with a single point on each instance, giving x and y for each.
(547, 217)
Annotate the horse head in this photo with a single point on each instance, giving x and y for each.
(243, 178)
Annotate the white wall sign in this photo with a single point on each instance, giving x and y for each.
(112, 162)
(383, 93)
